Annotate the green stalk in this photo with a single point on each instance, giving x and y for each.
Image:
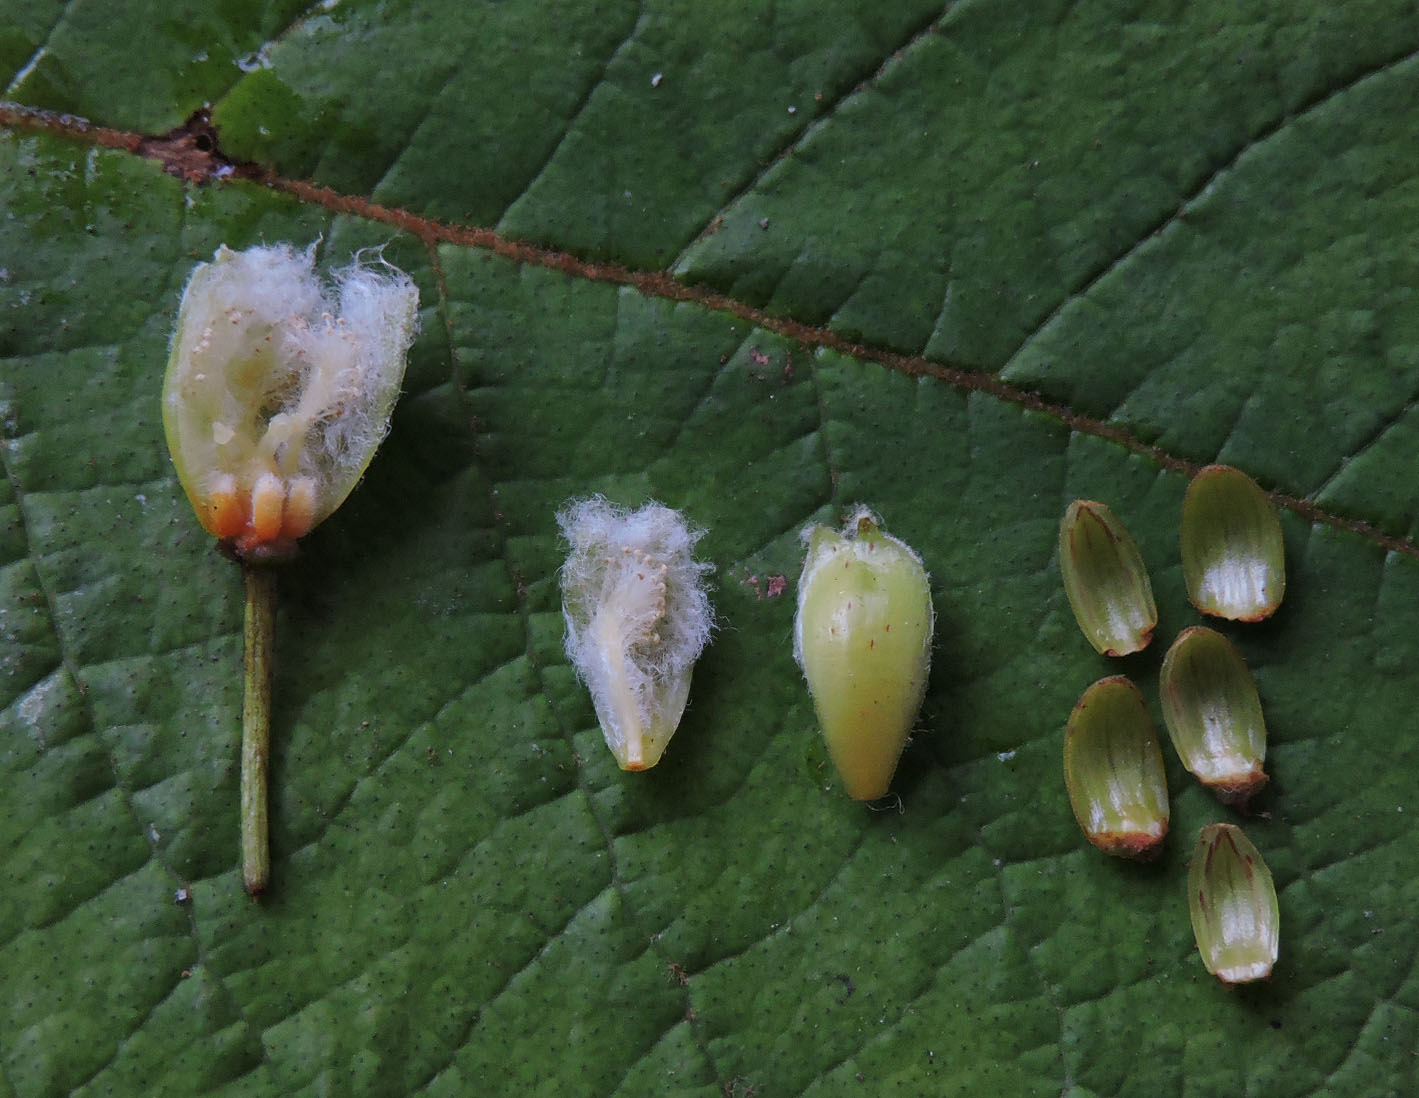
(258, 652)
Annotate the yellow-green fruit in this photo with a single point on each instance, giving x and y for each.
(863, 639)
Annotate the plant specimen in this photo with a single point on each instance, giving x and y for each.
(1105, 580)
(278, 391)
(638, 616)
(1233, 904)
(1234, 559)
(1213, 713)
(863, 638)
(1113, 770)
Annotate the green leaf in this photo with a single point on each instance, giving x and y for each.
(760, 262)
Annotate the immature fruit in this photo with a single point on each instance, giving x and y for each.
(637, 615)
(1234, 559)
(1105, 580)
(278, 392)
(275, 397)
(1113, 770)
(1213, 714)
(863, 639)
(1233, 905)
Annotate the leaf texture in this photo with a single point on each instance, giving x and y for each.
(761, 262)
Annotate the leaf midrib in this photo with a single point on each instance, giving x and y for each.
(660, 284)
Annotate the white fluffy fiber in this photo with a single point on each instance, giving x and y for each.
(637, 611)
(375, 318)
(290, 375)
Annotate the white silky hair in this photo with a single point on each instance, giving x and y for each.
(607, 541)
(632, 583)
(329, 360)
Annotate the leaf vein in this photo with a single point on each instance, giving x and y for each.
(1373, 441)
(274, 40)
(72, 670)
(1153, 234)
(579, 108)
(659, 284)
(853, 87)
(1052, 995)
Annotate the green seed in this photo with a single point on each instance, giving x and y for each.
(1233, 904)
(1234, 559)
(1113, 770)
(863, 639)
(1213, 714)
(1105, 580)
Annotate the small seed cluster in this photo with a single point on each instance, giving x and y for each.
(1234, 567)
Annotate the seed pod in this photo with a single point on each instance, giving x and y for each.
(1105, 580)
(638, 616)
(1113, 770)
(863, 638)
(275, 397)
(1213, 714)
(277, 392)
(1233, 904)
(1234, 559)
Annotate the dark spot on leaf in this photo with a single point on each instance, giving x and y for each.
(193, 151)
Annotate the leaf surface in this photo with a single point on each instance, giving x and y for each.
(760, 262)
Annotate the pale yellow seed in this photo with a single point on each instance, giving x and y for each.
(300, 507)
(226, 512)
(268, 498)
